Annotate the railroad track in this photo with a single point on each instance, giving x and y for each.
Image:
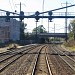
(67, 59)
(48, 64)
(4, 63)
(70, 53)
(41, 64)
(17, 50)
(14, 53)
(36, 60)
(23, 69)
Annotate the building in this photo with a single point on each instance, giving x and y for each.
(9, 30)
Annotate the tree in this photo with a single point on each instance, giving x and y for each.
(22, 28)
(71, 28)
(40, 29)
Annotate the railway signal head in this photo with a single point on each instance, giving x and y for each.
(50, 15)
(7, 17)
(21, 15)
(7, 13)
(37, 16)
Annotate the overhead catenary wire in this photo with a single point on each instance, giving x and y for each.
(13, 4)
(11, 8)
(54, 10)
(10, 5)
(9, 12)
(57, 9)
(42, 10)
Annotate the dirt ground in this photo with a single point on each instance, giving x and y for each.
(3, 49)
(6, 49)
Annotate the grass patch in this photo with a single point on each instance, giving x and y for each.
(71, 48)
(70, 44)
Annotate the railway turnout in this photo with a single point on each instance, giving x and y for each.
(39, 59)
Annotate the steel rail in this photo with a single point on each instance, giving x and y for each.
(15, 54)
(4, 53)
(68, 64)
(67, 56)
(49, 68)
(35, 64)
(65, 61)
(4, 67)
(8, 52)
(36, 61)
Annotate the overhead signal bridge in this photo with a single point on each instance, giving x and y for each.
(37, 15)
(54, 15)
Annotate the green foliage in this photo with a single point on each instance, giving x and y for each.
(72, 23)
(40, 29)
(71, 29)
(70, 43)
(22, 28)
(70, 35)
(27, 36)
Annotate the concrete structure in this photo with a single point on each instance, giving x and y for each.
(9, 30)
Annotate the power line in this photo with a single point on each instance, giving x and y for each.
(13, 4)
(43, 6)
(54, 10)
(10, 4)
(42, 11)
(66, 20)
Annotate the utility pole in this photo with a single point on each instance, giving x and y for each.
(66, 19)
(20, 20)
(20, 7)
(48, 25)
(54, 32)
(42, 11)
(20, 23)
(36, 30)
(54, 27)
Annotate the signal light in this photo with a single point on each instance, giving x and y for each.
(21, 15)
(7, 18)
(37, 16)
(50, 16)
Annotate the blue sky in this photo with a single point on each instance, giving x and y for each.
(36, 5)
